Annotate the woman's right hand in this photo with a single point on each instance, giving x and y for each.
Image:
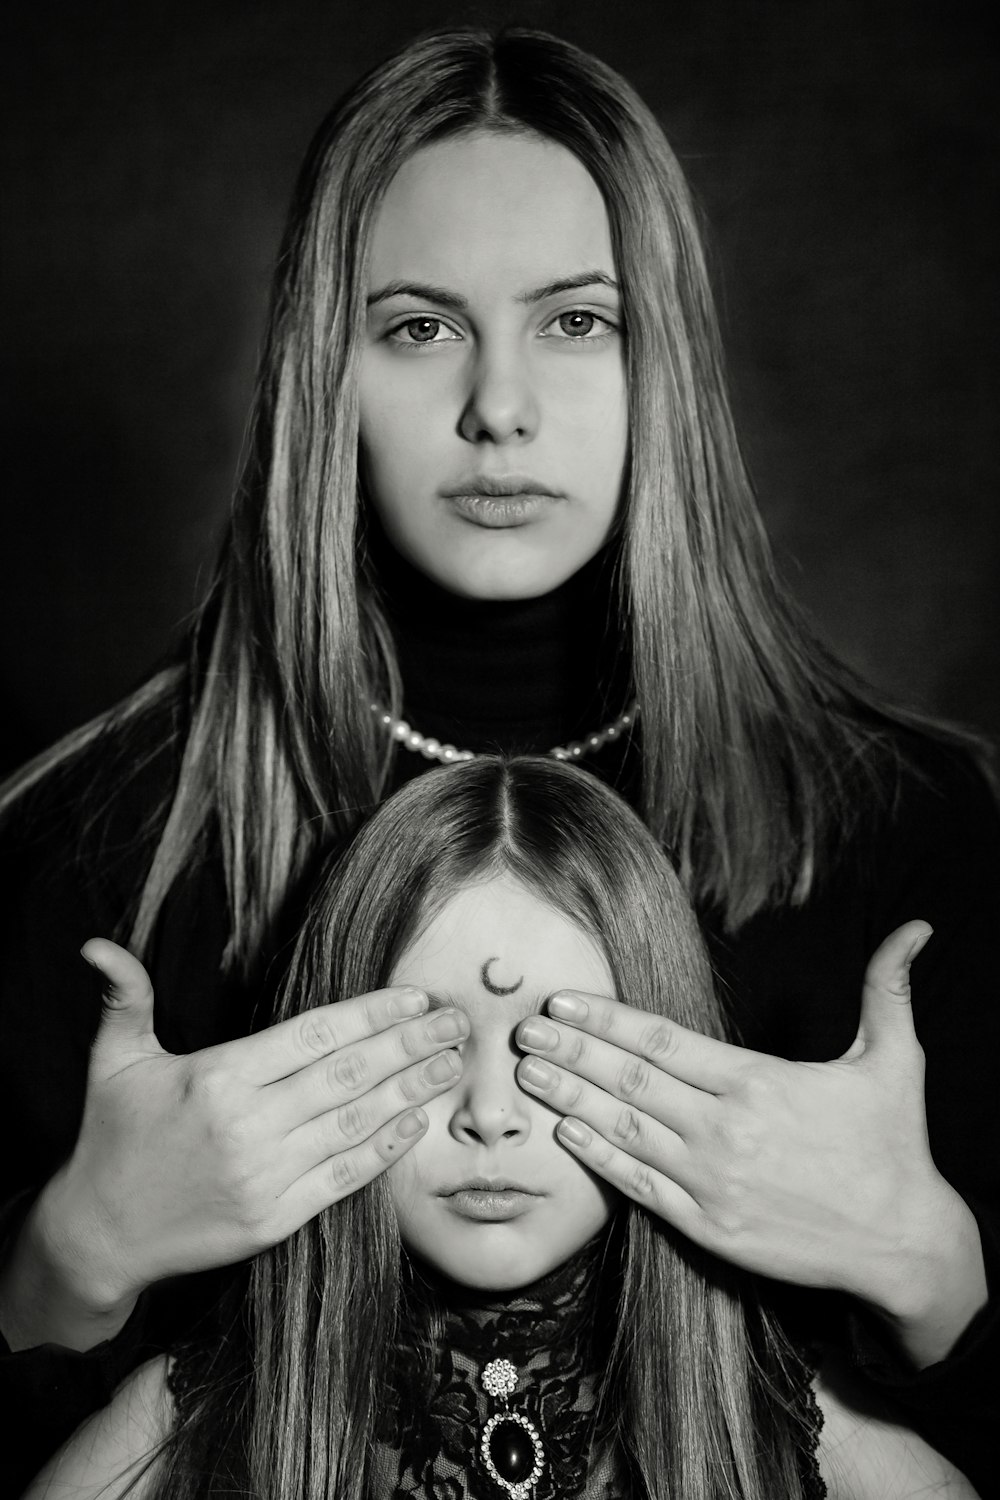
(188, 1162)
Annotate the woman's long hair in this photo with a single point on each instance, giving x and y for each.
(752, 738)
(693, 1374)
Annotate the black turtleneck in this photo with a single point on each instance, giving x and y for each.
(519, 675)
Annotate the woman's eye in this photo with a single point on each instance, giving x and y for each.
(580, 326)
(422, 331)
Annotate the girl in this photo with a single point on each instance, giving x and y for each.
(467, 1325)
(494, 486)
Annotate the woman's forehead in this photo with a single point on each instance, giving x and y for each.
(512, 209)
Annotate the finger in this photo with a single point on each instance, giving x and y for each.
(356, 1070)
(886, 1014)
(284, 1049)
(349, 1124)
(127, 997)
(621, 1124)
(628, 1076)
(701, 1061)
(342, 1174)
(633, 1179)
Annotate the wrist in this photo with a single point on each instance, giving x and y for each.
(934, 1282)
(78, 1252)
(58, 1284)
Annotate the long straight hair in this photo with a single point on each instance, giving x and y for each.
(694, 1377)
(753, 740)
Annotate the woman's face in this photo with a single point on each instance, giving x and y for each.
(488, 1195)
(494, 421)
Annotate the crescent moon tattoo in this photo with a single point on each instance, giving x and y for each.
(497, 989)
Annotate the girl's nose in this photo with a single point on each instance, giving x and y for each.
(488, 1106)
(501, 405)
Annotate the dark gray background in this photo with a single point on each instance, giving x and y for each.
(846, 158)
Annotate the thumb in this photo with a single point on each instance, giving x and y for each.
(127, 1009)
(886, 1013)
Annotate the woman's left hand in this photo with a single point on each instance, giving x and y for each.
(815, 1173)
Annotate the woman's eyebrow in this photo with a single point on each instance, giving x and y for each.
(444, 298)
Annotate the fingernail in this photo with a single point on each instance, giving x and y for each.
(407, 1003)
(535, 1033)
(568, 1008)
(442, 1069)
(917, 946)
(532, 1070)
(574, 1132)
(447, 1027)
(411, 1124)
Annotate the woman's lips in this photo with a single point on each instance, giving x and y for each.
(500, 500)
(497, 512)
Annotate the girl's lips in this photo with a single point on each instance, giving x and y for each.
(490, 1205)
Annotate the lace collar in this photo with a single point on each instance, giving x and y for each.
(554, 1332)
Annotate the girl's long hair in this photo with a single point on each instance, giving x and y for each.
(693, 1381)
(752, 739)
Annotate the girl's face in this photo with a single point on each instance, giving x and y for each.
(488, 1195)
(494, 421)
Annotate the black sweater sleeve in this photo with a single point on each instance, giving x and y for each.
(793, 981)
(64, 878)
(943, 864)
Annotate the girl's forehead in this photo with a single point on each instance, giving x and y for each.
(495, 948)
(512, 206)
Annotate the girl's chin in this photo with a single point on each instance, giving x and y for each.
(505, 1271)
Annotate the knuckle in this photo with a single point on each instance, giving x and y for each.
(575, 1049)
(571, 1093)
(409, 1088)
(728, 1220)
(603, 1020)
(658, 1041)
(633, 1079)
(627, 1128)
(235, 1134)
(740, 1142)
(409, 1042)
(641, 1183)
(352, 1122)
(207, 1082)
(317, 1036)
(758, 1090)
(350, 1071)
(345, 1170)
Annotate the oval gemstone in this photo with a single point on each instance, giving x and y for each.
(512, 1451)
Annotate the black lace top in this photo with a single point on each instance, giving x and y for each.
(428, 1445)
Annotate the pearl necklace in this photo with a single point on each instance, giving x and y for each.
(432, 749)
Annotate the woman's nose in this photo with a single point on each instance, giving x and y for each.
(502, 406)
(488, 1106)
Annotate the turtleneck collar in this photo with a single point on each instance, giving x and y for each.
(515, 675)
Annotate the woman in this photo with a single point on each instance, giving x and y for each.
(517, 1347)
(493, 484)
